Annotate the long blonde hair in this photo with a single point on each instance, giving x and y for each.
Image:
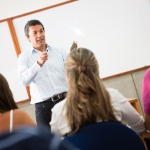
(87, 99)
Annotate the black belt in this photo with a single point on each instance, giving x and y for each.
(57, 97)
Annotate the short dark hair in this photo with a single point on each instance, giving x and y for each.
(32, 23)
(7, 101)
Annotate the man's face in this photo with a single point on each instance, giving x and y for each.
(36, 36)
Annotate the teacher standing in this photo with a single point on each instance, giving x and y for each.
(42, 67)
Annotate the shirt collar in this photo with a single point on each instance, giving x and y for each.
(34, 50)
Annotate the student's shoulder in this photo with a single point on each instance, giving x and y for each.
(20, 112)
(115, 95)
(59, 106)
(112, 91)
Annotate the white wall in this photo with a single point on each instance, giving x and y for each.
(8, 63)
(11, 8)
(8, 57)
(117, 31)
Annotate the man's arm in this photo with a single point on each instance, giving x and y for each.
(26, 74)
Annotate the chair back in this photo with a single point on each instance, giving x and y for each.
(32, 138)
(106, 136)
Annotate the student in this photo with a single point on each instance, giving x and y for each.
(88, 100)
(42, 67)
(10, 115)
(146, 97)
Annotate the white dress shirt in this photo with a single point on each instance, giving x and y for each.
(44, 81)
(123, 111)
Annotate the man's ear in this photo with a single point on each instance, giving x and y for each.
(27, 37)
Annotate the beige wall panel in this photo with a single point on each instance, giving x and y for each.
(124, 84)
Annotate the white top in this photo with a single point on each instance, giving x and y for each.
(124, 112)
(11, 121)
(44, 81)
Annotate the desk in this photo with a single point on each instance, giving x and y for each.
(134, 102)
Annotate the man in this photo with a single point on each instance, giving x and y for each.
(42, 67)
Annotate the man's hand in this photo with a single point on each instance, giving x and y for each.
(42, 58)
(74, 45)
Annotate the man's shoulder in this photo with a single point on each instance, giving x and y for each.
(57, 48)
(25, 53)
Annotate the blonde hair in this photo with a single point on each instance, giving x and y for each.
(87, 100)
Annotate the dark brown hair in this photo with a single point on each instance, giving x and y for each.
(88, 100)
(32, 23)
(7, 101)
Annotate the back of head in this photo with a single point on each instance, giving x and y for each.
(6, 97)
(31, 23)
(87, 100)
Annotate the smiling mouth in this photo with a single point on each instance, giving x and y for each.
(40, 40)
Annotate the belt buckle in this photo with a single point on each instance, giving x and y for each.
(55, 96)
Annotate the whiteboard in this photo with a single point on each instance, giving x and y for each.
(8, 63)
(11, 8)
(117, 31)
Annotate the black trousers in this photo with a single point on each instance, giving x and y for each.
(43, 113)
